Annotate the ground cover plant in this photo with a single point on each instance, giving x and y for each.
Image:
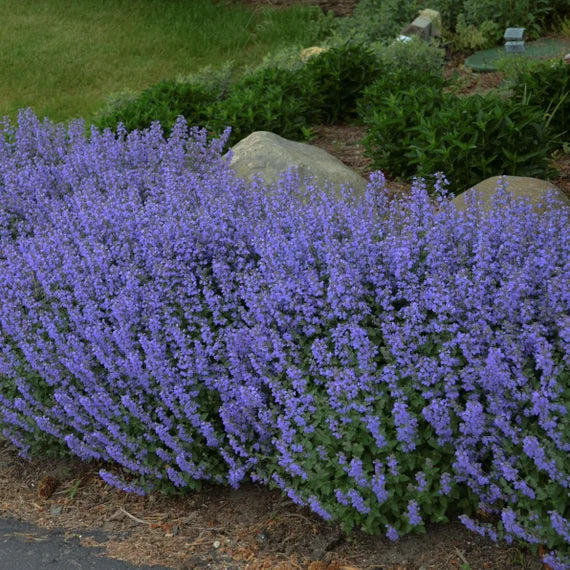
(385, 364)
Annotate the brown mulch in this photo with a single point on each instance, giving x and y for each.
(561, 162)
(345, 143)
(252, 528)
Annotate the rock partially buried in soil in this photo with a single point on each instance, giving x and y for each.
(268, 155)
(533, 189)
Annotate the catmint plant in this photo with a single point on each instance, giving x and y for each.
(383, 362)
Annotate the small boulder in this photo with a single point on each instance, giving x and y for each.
(532, 189)
(427, 25)
(268, 155)
(434, 17)
(310, 52)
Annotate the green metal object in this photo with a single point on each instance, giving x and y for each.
(541, 49)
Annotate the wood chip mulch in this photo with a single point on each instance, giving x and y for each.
(251, 528)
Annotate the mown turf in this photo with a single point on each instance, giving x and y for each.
(64, 57)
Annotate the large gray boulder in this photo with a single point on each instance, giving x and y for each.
(268, 155)
(532, 189)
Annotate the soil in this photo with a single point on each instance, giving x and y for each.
(252, 528)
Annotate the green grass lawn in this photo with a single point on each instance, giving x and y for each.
(63, 58)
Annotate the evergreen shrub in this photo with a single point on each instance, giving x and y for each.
(384, 363)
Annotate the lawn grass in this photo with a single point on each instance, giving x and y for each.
(63, 58)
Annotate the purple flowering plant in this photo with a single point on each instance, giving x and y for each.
(385, 363)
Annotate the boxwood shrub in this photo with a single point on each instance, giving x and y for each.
(386, 364)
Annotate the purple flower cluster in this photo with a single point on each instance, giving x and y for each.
(159, 313)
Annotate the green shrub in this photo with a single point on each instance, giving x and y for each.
(216, 79)
(276, 100)
(414, 55)
(394, 79)
(115, 102)
(288, 58)
(162, 102)
(377, 20)
(393, 106)
(341, 74)
(481, 136)
(393, 115)
(546, 85)
(421, 130)
(345, 70)
(288, 101)
(471, 37)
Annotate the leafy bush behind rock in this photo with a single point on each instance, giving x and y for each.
(382, 363)
(418, 130)
(277, 100)
(341, 74)
(286, 101)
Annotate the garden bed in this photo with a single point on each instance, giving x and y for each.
(255, 527)
(253, 256)
(251, 528)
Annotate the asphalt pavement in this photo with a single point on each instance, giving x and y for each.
(26, 547)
